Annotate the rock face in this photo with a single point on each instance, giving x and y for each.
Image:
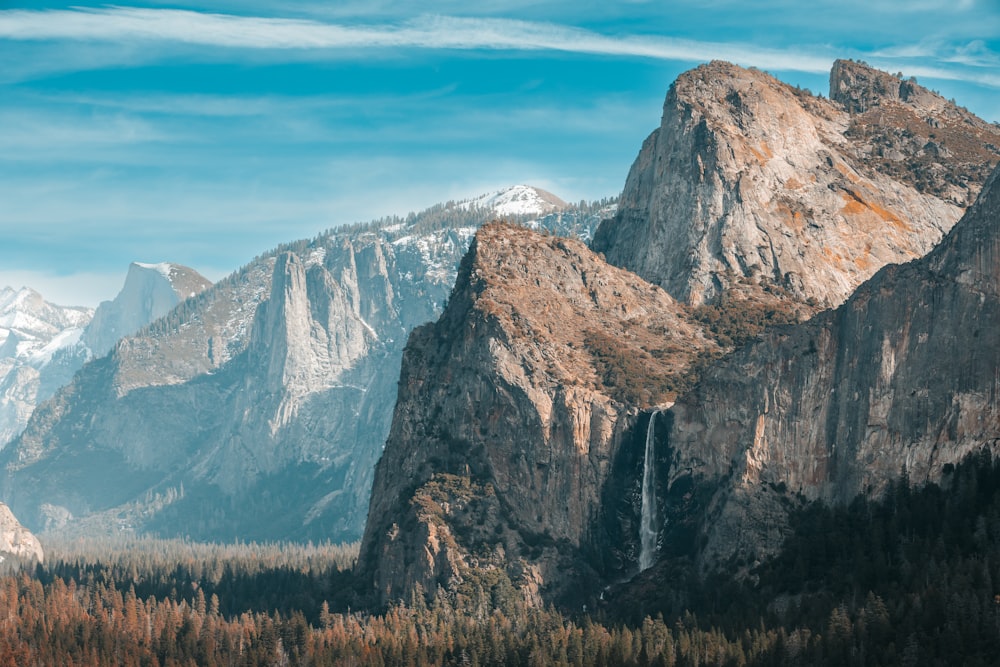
(904, 376)
(16, 540)
(511, 410)
(913, 135)
(257, 409)
(750, 181)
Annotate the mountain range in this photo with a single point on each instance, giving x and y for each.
(257, 408)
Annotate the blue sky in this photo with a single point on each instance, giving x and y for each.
(205, 133)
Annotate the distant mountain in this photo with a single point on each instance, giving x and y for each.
(516, 200)
(43, 345)
(258, 408)
(150, 292)
(32, 332)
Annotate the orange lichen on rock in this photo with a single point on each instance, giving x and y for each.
(855, 205)
(792, 218)
(763, 153)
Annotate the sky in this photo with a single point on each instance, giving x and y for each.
(206, 133)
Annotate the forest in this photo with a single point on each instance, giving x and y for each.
(913, 579)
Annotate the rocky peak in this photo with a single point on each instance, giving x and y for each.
(150, 291)
(858, 88)
(26, 314)
(750, 183)
(511, 410)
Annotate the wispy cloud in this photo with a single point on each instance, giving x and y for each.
(109, 35)
(123, 25)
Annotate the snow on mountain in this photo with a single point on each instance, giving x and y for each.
(163, 268)
(437, 250)
(34, 322)
(518, 200)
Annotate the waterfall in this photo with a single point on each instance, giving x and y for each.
(648, 525)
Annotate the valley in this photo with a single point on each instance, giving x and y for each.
(746, 413)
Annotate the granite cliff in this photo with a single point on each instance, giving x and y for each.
(749, 182)
(149, 293)
(511, 412)
(903, 378)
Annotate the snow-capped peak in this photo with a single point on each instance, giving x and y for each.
(27, 312)
(11, 300)
(516, 200)
(163, 268)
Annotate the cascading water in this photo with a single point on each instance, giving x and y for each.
(648, 524)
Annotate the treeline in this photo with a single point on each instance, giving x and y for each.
(93, 623)
(913, 579)
(271, 577)
(576, 218)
